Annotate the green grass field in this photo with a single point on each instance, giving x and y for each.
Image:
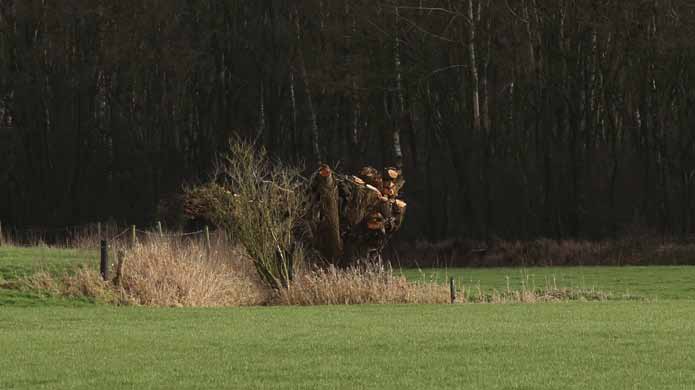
(16, 263)
(617, 345)
(653, 282)
(59, 344)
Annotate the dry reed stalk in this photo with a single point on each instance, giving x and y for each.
(530, 296)
(164, 272)
(366, 284)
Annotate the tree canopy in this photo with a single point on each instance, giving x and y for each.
(514, 118)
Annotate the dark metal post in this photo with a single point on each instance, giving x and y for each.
(104, 267)
(452, 287)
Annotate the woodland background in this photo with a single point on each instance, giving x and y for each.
(516, 119)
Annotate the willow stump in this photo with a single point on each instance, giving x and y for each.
(354, 216)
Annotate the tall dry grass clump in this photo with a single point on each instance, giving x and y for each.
(162, 272)
(175, 273)
(534, 295)
(84, 283)
(165, 272)
(362, 284)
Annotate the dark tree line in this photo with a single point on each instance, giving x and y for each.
(514, 118)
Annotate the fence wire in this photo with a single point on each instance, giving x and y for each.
(172, 235)
(73, 233)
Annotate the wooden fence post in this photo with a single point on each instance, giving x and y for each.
(133, 236)
(159, 229)
(207, 241)
(452, 288)
(104, 266)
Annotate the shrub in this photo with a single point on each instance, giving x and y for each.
(261, 205)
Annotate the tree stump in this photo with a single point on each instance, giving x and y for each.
(354, 216)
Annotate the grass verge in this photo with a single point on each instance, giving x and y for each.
(164, 272)
(178, 274)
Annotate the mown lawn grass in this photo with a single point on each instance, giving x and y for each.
(653, 282)
(50, 343)
(615, 345)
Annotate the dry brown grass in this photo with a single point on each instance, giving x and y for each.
(89, 237)
(79, 237)
(84, 283)
(164, 272)
(167, 273)
(375, 284)
(364, 284)
(476, 295)
(175, 272)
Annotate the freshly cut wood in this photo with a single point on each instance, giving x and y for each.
(329, 241)
(385, 209)
(356, 201)
(389, 189)
(373, 189)
(392, 173)
(393, 182)
(325, 170)
(398, 214)
(372, 177)
(356, 214)
(358, 181)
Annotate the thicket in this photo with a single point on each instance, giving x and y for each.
(261, 204)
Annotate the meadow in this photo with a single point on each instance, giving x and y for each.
(615, 345)
(50, 343)
(651, 282)
(19, 262)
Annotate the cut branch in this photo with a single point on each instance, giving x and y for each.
(356, 221)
